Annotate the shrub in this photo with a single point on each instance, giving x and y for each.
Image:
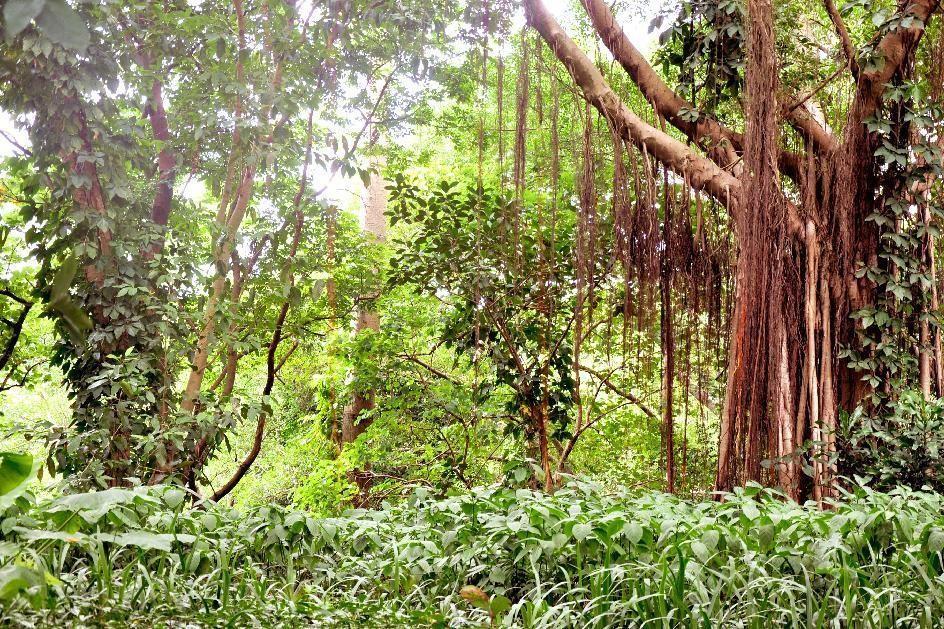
(901, 447)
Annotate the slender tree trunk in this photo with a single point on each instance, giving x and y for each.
(230, 225)
(375, 226)
(273, 367)
(667, 338)
(16, 327)
(166, 163)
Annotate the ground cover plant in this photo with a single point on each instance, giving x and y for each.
(509, 557)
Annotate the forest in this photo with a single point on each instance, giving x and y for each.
(471, 313)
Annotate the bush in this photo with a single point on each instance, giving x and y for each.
(513, 557)
(901, 447)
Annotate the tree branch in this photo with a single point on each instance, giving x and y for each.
(893, 48)
(272, 368)
(15, 330)
(700, 172)
(806, 125)
(847, 48)
(428, 367)
(709, 134)
(626, 395)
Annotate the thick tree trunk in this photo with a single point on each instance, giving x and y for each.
(758, 418)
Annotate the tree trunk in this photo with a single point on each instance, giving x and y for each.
(375, 227)
(757, 418)
(667, 338)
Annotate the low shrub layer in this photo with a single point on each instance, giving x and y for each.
(511, 557)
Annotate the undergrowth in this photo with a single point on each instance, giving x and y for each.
(500, 556)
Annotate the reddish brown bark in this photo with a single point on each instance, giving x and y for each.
(157, 115)
(701, 172)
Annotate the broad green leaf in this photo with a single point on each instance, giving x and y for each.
(15, 579)
(16, 472)
(16, 469)
(77, 322)
(633, 532)
(34, 535)
(17, 14)
(499, 605)
(581, 531)
(146, 540)
(701, 551)
(710, 539)
(936, 541)
(750, 510)
(95, 504)
(60, 23)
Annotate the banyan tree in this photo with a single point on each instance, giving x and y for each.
(835, 294)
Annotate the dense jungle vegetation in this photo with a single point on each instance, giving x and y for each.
(560, 313)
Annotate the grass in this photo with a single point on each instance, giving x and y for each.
(499, 556)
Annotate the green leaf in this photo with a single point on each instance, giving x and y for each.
(95, 504)
(701, 551)
(60, 23)
(633, 532)
(63, 279)
(14, 579)
(17, 14)
(15, 471)
(146, 540)
(581, 531)
(499, 605)
(936, 541)
(710, 539)
(750, 510)
(34, 535)
(77, 322)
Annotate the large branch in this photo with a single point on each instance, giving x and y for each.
(701, 173)
(809, 127)
(706, 132)
(894, 49)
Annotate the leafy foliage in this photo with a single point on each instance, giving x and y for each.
(508, 276)
(903, 446)
(518, 557)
